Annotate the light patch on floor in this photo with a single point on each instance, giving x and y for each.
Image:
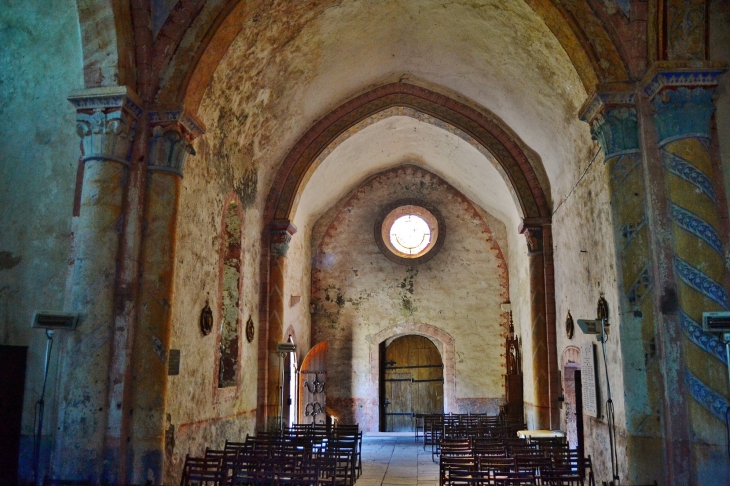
(395, 458)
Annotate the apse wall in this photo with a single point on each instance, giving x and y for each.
(41, 64)
(359, 294)
(218, 194)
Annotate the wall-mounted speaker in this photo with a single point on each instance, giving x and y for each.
(55, 320)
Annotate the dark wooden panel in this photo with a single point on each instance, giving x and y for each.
(12, 387)
(413, 382)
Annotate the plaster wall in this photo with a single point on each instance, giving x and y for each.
(41, 63)
(584, 269)
(358, 293)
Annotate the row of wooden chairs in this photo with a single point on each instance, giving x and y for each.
(298, 456)
(438, 426)
(463, 462)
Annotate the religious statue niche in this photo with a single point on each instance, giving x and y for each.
(513, 378)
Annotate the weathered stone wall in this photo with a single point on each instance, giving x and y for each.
(199, 413)
(358, 293)
(298, 283)
(41, 63)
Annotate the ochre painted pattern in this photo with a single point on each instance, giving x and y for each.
(628, 200)
(701, 255)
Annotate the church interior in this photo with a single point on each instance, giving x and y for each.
(216, 211)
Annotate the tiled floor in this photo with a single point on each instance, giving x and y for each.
(396, 459)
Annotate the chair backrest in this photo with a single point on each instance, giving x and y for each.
(202, 471)
(497, 464)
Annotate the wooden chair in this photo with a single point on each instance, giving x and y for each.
(351, 432)
(345, 447)
(500, 469)
(447, 464)
(534, 467)
(461, 477)
(569, 469)
(335, 467)
(200, 471)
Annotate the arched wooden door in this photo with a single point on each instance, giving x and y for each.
(413, 382)
(312, 380)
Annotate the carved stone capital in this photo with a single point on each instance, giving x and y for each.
(173, 132)
(281, 232)
(612, 117)
(682, 113)
(105, 122)
(673, 75)
(681, 94)
(533, 233)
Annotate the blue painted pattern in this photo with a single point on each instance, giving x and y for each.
(683, 113)
(706, 341)
(705, 396)
(694, 224)
(624, 166)
(681, 168)
(701, 282)
(629, 230)
(639, 288)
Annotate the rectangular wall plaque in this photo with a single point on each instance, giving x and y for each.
(588, 379)
(173, 362)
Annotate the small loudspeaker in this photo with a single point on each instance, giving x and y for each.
(55, 320)
(717, 322)
(286, 347)
(592, 326)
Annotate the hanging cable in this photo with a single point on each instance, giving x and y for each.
(39, 409)
(609, 408)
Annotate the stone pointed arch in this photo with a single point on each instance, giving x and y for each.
(515, 164)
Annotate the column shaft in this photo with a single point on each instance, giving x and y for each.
(86, 352)
(281, 233)
(691, 268)
(152, 335)
(106, 119)
(538, 328)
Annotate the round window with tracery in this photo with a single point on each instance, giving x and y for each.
(408, 232)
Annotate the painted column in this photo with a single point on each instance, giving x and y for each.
(105, 121)
(538, 326)
(173, 132)
(682, 110)
(613, 119)
(280, 235)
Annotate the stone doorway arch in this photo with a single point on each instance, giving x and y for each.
(443, 340)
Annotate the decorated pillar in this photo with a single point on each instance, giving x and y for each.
(612, 116)
(681, 109)
(105, 121)
(280, 233)
(538, 326)
(173, 132)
